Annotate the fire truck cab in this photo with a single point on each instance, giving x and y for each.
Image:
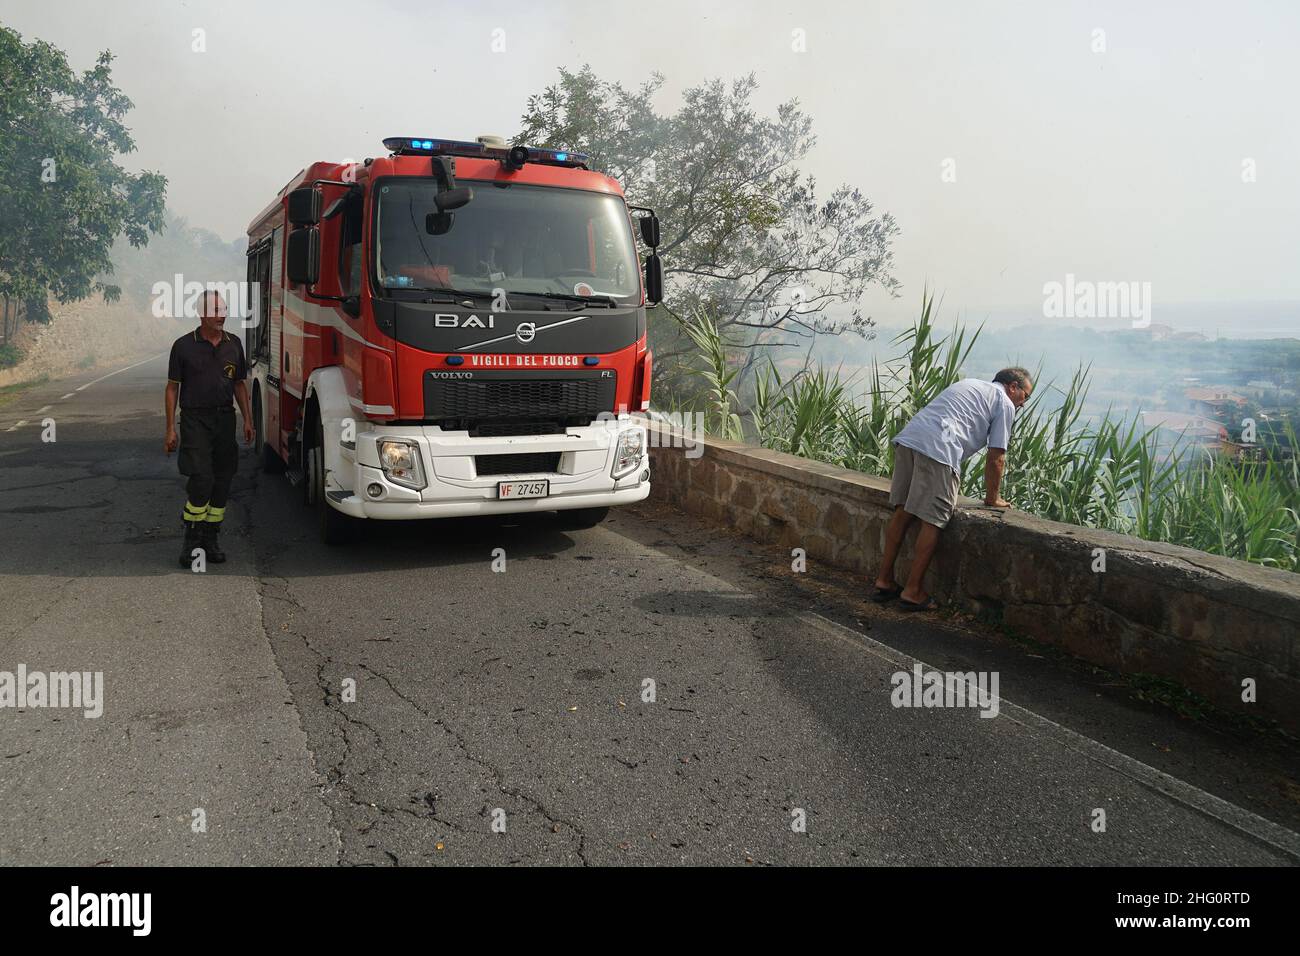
(456, 328)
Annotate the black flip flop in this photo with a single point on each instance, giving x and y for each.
(886, 594)
(911, 606)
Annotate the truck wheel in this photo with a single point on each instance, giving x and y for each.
(576, 519)
(335, 526)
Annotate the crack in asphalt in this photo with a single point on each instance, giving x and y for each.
(336, 776)
(497, 774)
(55, 599)
(278, 588)
(260, 588)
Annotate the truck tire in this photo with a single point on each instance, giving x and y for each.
(576, 519)
(335, 527)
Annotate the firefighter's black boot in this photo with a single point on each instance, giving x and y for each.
(193, 539)
(211, 543)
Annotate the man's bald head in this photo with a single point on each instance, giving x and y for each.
(212, 313)
(211, 303)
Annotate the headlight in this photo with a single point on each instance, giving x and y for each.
(400, 461)
(627, 457)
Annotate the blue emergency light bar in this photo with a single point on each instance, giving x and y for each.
(415, 146)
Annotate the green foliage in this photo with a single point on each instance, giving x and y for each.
(9, 393)
(746, 237)
(813, 415)
(10, 355)
(719, 374)
(1105, 474)
(63, 197)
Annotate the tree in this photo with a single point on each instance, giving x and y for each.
(63, 197)
(746, 239)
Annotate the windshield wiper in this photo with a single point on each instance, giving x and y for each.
(451, 294)
(584, 300)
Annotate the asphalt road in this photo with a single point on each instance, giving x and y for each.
(502, 717)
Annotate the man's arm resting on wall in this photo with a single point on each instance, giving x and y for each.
(169, 441)
(994, 464)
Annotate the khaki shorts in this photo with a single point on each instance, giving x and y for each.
(924, 487)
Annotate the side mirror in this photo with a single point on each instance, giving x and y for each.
(304, 206)
(352, 306)
(654, 279)
(438, 223)
(302, 260)
(650, 230)
(450, 199)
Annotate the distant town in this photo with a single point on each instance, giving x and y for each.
(1227, 396)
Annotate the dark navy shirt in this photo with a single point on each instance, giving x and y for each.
(207, 373)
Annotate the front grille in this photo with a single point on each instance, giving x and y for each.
(517, 464)
(537, 399)
(491, 429)
(523, 399)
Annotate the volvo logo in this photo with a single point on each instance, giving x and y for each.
(524, 333)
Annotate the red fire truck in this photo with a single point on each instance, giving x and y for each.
(456, 328)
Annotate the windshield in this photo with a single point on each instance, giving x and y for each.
(520, 238)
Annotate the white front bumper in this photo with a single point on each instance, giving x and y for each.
(453, 487)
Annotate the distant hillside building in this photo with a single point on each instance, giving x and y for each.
(1157, 332)
(1215, 401)
(1175, 428)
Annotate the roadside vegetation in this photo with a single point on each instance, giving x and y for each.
(1101, 473)
(10, 392)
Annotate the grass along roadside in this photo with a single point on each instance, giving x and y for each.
(9, 393)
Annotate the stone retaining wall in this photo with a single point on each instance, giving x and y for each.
(1203, 621)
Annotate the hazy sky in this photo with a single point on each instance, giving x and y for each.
(1118, 165)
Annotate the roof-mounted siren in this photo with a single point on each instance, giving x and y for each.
(513, 158)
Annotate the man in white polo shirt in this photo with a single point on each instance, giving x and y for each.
(928, 452)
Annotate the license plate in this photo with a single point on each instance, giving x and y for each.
(523, 489)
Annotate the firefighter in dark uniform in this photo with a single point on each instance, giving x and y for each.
(207, 370)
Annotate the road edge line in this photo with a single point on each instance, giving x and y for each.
(1193, 797)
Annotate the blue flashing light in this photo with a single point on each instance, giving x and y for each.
(454, 147)
(591, 360)
(455, 359)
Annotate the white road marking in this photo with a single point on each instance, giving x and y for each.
(16, 425)
(42, 409)
(68, 396)
(1239, 818)
(119, 371)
